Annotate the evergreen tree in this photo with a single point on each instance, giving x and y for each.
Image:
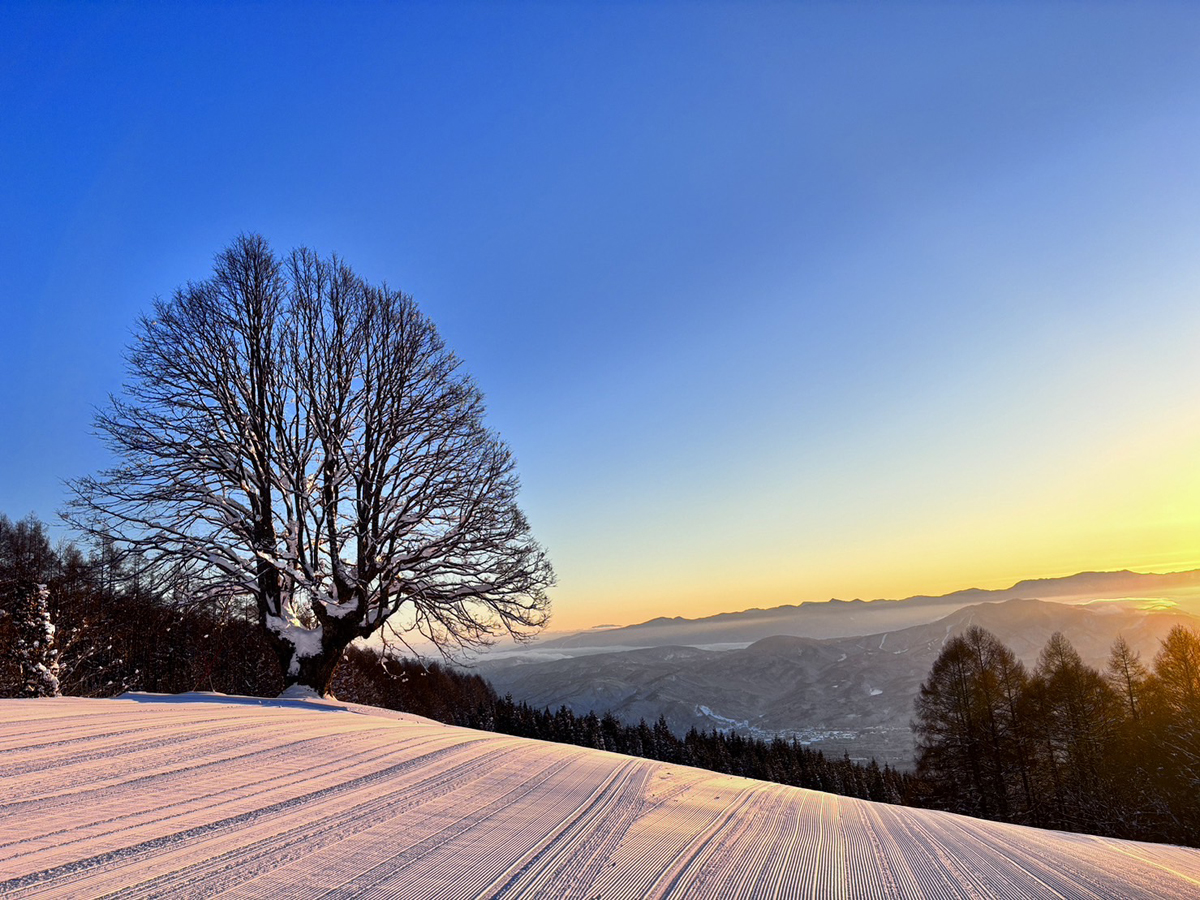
(34, 648)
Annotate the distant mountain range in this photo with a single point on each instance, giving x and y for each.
(845, 685)
(843, 618)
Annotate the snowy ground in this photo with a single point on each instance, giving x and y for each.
(228, 796)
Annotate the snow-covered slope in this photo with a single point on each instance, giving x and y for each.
(294, 798)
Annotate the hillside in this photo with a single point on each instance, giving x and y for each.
(219, 796)
(843, 695)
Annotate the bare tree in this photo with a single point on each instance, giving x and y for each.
(968, 728)
(1177, 673)
(294, 436)
(1128, 677)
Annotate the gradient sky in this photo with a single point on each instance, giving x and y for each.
(773, 302)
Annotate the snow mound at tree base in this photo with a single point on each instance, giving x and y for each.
(303, 692)
(245, 797)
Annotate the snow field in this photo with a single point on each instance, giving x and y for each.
(309, 799)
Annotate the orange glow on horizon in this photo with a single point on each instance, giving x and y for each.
(1133, 504)
(699, 603)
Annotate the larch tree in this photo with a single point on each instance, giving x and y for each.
(1127, 676)
(1177, 671)
(1176, 684)
(967, 727)
(1080, 713)
(295, 438)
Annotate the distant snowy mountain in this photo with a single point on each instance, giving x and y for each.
(843, 618)
(843, 695)
(200, 796)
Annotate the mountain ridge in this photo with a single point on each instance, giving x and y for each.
(843, 618)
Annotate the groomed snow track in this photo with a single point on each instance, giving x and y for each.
(206, 796)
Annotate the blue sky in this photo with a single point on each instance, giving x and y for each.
(772, 301)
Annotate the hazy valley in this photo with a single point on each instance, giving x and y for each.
(840, 676)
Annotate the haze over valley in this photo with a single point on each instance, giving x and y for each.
(839, 676)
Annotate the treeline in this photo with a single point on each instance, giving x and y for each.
(116, 630)
(468, 700)
(1065, 746)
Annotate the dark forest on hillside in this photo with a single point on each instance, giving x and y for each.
(462, 699)
(1065, 746)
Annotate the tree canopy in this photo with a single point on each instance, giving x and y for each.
(294, 437)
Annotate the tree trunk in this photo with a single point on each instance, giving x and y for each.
(316, 670)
